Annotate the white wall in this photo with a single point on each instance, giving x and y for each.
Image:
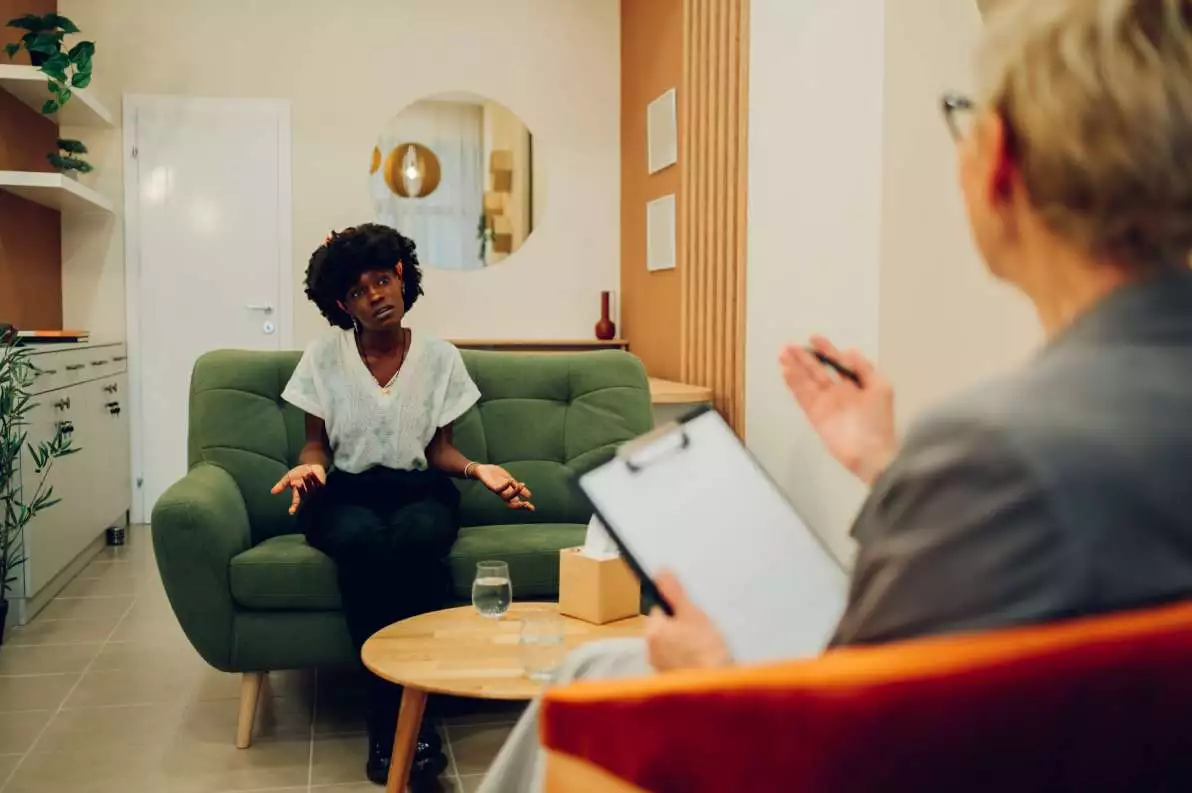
(856, 224)
(348, 68)
(815, 165)
(945, 323)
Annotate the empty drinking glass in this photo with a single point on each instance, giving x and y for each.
(492, 591)
(541, 644)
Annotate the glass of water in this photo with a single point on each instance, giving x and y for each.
(492, 591)
(541, 644)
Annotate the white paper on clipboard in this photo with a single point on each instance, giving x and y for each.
(691, 499)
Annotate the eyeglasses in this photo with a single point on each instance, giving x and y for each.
(958, 113)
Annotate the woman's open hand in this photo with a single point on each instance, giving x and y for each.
(302, 480)
(855, 421)
(501, 482)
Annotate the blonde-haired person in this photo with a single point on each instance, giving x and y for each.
(1061, 490)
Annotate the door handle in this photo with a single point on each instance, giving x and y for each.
(264, 307)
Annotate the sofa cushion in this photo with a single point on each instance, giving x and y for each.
(284, 572)
(531, 550)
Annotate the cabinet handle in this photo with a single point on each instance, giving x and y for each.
(114, 408)
(99, 363)
(62, 404)
(120, 358)
(111, 388)
(40, 372)
(74, 367)
(67, 427)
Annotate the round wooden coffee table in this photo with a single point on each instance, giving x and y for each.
(457, 652)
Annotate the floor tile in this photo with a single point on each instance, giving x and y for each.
(35, 659)
(91, 769)
(18, 730)
(338, 759)
(212, 767)
(214, 684)
(134, 629)
(215, 721)
(133, 728)
(173, 652)
(7, 763)
(60, 632)
(102, 586)
(475, 746)
(35, 692)
(470, 784)
(133, 687)
(93, 608)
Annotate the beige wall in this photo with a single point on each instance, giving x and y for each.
(815, 166)
(555, 63)
(856, 225)
(945, 324)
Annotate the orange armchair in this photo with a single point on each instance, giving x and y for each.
(1086, 705)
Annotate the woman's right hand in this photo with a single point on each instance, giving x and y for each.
(301, 479)
(855, 421)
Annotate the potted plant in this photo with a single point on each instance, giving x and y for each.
(43, 41)
(23, 495)
(66, 159)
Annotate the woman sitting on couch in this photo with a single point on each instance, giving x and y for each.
(380, 400)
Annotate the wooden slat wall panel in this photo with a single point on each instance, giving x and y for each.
(712, 228)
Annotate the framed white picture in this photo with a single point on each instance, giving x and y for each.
(660, 233)
(662, 132)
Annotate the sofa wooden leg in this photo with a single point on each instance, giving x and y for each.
(250, 694)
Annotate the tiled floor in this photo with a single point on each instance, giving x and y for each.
(102, 693)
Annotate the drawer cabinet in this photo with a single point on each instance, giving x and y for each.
(84, 390)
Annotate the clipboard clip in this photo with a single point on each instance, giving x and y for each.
(666, 441)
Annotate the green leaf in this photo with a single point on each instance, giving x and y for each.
(47, 44)
(50, 107)
(59, 21)
(81, 79)
(72, 146)
(84, 49)
(30, 22)
(12, 49)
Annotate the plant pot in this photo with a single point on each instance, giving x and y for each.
(38, 58)
(3, 617)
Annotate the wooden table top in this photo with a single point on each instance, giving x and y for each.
(457, 652)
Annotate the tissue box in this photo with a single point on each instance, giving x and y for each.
(597, 590)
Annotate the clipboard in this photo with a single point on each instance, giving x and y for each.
(689, 497)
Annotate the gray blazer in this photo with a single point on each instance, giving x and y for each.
(1063, 490)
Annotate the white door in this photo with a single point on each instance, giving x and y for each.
(207, 191)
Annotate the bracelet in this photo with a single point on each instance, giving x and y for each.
(469, 468)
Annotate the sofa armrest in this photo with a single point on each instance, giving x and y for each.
(199, 524)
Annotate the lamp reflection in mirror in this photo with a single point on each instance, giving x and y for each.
(459, 177)
(411, 175)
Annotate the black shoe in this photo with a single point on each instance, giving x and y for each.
(429, 760)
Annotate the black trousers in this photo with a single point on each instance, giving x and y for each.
(389, 532)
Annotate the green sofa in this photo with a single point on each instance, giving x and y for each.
(249, 592)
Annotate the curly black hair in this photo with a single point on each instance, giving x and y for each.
(336, 266)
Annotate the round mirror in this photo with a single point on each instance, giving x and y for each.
(457, 174)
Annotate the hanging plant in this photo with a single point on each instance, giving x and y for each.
(43, 40)
(66, 159)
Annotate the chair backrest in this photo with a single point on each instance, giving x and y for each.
(1085, 705)
(543, 417)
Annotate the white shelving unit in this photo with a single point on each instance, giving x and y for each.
(54, 190)
(28, 85)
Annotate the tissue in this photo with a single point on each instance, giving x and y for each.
(598, 544)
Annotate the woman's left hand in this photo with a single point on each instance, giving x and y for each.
(501, 482)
